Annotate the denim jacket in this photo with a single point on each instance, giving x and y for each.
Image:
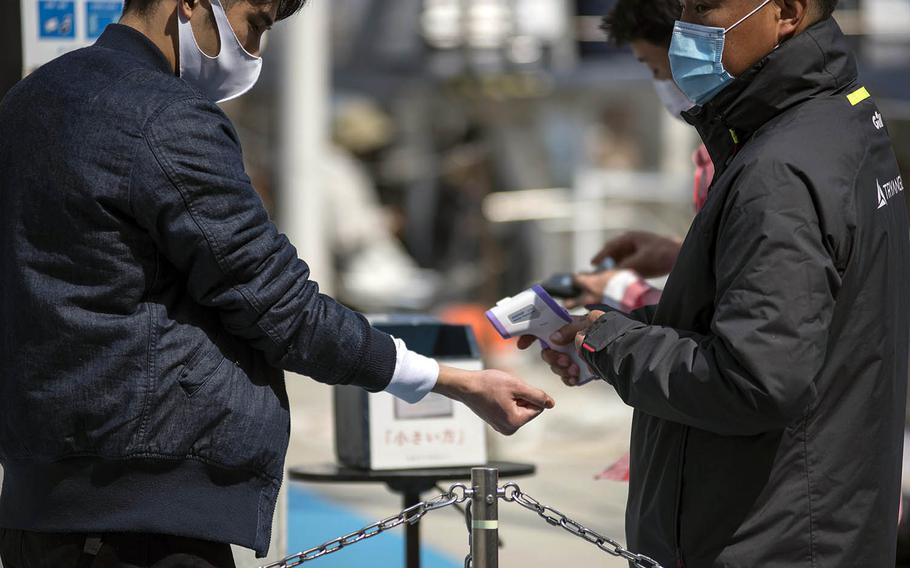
(147, 309)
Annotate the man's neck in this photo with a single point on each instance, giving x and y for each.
(160, 27)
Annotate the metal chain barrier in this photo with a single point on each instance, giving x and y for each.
(459, 493)
(512, 493)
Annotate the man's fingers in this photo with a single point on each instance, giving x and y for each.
(527, 413)
(533, 395)
(617, 249)
(526, 341)
(579, 340)
(591, 318)
(504, 401)
(633, 261)
(566, 335)
(584, 281)
(551, 357)
(528, 405)
(519, 416)
(559, 371)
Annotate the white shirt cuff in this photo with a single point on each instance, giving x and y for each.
(415, 375)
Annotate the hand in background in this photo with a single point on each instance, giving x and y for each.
(648, 254)
(592, 285)
(503, 401)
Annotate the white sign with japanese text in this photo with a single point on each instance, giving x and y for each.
(436, 432)
(51, 28)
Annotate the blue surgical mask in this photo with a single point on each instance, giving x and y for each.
(696, 58)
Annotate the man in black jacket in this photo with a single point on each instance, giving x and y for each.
(148, 305)
(769, 382)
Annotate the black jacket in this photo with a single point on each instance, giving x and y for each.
(769, 383)
(147, 307)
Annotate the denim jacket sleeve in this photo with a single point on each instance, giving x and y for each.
(189, 190)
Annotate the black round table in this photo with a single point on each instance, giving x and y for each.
(410, 483)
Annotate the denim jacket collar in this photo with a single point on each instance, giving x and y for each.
(134, 42)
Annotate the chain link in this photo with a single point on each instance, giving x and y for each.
(457, 493)
(512, 493)
(468, 517)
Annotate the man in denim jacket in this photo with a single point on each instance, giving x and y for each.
(149, 306)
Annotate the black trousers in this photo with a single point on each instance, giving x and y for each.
(24, 549)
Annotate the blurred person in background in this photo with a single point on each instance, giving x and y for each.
(646, 26)
(376, 273)
(769, 382)
(149, 305)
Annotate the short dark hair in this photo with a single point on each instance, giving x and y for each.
(826, 8)
(653, 20)
(286, 8)
(648, 20)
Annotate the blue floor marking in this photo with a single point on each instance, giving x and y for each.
(313, 519)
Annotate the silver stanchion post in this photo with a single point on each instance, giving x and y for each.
(485, 518)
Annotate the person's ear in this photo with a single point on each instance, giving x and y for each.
(793, 17)
(186, 7)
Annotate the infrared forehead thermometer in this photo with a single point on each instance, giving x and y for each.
(534, 312)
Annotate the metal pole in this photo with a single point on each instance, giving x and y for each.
(304, 137)
(412, 532)
(11, 45)
(485, 518)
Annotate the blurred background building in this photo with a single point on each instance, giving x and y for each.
(474, 146)
(437, 155)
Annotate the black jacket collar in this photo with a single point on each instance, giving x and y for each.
(134, 42)
(814, 63)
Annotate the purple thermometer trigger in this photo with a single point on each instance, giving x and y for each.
(499, 327)
(553, 304)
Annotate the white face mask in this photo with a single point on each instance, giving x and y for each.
(226, 76)
(674, 100)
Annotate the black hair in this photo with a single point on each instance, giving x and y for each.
(286, 8)
(648, 20)
(652, 20)
(826, 8)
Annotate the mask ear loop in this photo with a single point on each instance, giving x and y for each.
(192, 34)
(749, 15)
(221, 19)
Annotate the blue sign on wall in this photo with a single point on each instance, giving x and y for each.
(57, 19)
(100, 13)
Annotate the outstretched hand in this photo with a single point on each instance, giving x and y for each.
(503, 401)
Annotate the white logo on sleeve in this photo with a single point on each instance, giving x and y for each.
(888, 190)
(877, 120)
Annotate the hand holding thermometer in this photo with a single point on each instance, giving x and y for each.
(534, 312)
(563, 284)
